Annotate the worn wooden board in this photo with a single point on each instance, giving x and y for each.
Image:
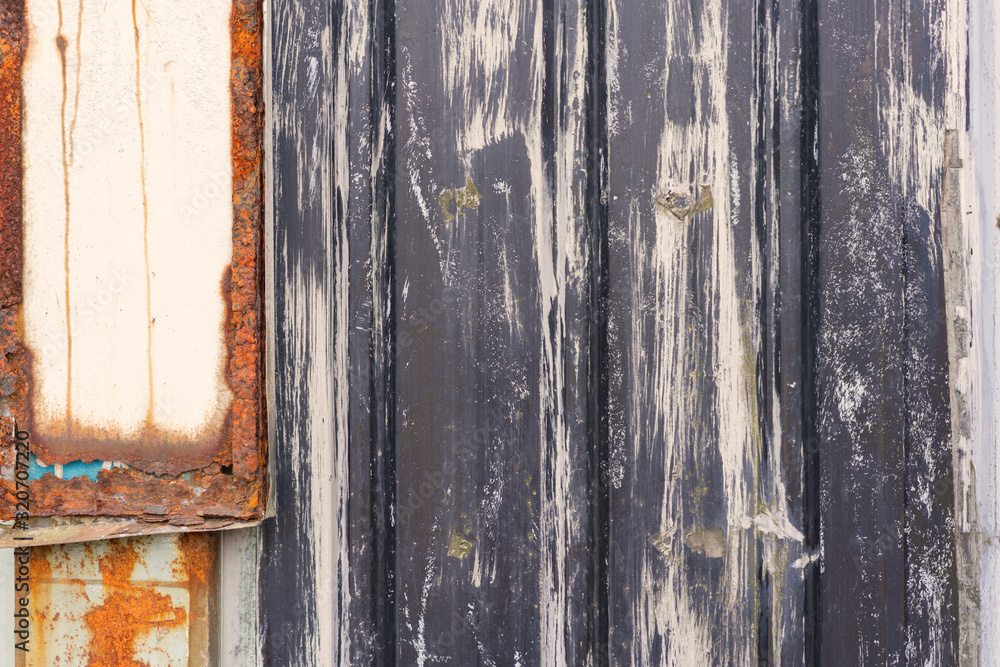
(498, 439)
(683, 259)
(883, 410)
(300, 582)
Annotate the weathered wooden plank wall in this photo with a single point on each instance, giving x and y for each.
(616, 333)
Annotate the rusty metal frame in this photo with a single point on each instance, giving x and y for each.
(171, 491)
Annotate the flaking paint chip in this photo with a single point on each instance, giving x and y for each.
(459, 547)
(663, 542)
(711, 542)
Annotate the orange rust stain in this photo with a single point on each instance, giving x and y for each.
(145, 227)
(39, 600)
(198, 567)
(198, 552)
(119, 562)
(13, 42)
(128, 611)
(128, 492)
(40, 567)
(245, 279)
(153, 449)
(8, 345)
(79, 63)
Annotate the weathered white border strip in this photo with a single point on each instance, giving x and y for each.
(979, 214)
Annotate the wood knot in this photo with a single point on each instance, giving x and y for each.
(681, 205)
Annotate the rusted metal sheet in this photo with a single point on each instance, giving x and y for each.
(132, 601)
(158, 470)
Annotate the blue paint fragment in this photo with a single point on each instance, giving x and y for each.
(69, 470)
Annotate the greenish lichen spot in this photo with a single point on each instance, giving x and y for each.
(467, 197)
(459, 547)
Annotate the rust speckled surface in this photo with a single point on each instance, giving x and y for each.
(126, 602)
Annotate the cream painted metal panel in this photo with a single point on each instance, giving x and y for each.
(124, 315)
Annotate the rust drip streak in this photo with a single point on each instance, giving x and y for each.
(76, 94)
(145, 227)
(61, 45)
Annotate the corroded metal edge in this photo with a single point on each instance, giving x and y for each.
(246, 331)
(112, 528)
(238, 493)
(13, 39)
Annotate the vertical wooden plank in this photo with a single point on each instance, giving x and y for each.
(684, 335)
(808, 236)
(469, 92)
(239, 597)
(305, 593)
(382, 372)
(598, 423)
(499, 468)
(888, 562)
(331, 558)
(920, 89)
(470, 81)
(570, 230)
(860, 376)
(776, 177)
(793, 470)
(356, 101)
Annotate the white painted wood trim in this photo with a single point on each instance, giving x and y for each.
(239, 598)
